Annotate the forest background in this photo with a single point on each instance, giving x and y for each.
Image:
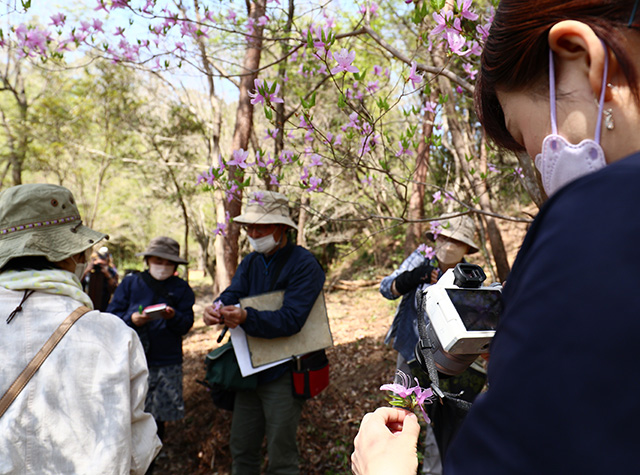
(164, 117)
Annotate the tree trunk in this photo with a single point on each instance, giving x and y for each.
(416, 200)
(463, 148)
(227, 253)
(302, 220)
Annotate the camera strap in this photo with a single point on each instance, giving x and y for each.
(425, 346)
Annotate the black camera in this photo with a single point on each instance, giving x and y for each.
(459, 317)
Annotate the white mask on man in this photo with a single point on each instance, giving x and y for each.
(450, 252)
(263, 245)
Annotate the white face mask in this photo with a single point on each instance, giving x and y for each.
(80, 268)
(450, 252)
(161, 272)
(561, 162)
(263, 245)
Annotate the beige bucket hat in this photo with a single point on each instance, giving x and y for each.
(42, 220)
(164, 247)
(460, 228)
(267, 207)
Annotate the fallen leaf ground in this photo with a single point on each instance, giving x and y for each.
(360, 363)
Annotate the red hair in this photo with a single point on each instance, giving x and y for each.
(516, 54)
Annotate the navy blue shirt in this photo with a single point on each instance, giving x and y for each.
(564, 391)
(301, 277)
(161, 338)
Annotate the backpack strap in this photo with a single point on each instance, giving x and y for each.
(33, 366)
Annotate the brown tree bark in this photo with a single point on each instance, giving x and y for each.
(415, 211)
(227, 252)
(463, 148)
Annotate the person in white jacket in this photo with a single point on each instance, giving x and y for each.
(82, 412)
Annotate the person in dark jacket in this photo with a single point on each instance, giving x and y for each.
(161, 334)
(276, 264)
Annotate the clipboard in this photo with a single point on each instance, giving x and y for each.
(314, 335)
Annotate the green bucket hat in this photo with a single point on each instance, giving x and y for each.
(42, 220)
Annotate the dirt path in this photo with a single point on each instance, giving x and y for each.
(360, 363)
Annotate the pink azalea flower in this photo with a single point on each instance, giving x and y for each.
(316, 160)
(221, 229)
(239, 158)
(274, 180)
(427, 251)
(463, 6)
(58, 19)
(430, 106)
(272, 134)
(435, 228)
(456, 42)
(377, 70)
(250, 27)
(97, 25)
(344, 58)
(409, 397)
(286, 157)
(263, 20)
(258, 196)
(470, 71)
(414, 77)
(437, 196)
(372, 87)
(368, 181)
(265, 92)
(314, 184)
(441, 21)
(404, 149)
(231, 16)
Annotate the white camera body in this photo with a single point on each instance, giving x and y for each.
(464, 319)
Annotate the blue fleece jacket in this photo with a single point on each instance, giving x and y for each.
(301, 278)
(161, 338)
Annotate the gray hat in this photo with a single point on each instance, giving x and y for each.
(164, 247)
(460, 228)
(267, 207)
(42, 220)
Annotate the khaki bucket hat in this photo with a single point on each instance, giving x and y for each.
(460, 228)
(164, 247)
(267, 207)
(42, 220)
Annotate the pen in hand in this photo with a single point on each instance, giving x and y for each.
(223, 333)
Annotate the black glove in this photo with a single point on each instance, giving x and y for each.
(411, 279)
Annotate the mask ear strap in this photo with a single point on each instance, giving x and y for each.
(552, 94)
(602, 91)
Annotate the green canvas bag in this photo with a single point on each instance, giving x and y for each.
(224, 378)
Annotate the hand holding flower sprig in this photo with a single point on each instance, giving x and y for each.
(409, 397)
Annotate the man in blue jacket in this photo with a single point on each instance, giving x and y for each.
(276, 264)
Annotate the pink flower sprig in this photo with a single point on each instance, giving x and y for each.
(427, 251)
(409, 397)
(265, 92)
